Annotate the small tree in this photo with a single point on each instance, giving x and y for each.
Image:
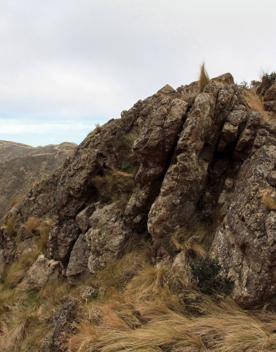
(203, 78)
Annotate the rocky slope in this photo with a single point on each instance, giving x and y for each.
(22, 165)
(189, 176)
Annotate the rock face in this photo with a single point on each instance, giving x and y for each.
(62, 326)
(245, 242)
(23, 165)
(180, 167)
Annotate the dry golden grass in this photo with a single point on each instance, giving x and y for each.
(32, 225)
(225, 328)
(223, 332)
(55, 291)
(114, 184)
(21, 321)
(255, 103)
(147, 316)
(269, 199)
(203, 78)
(11, 338)
(10, 225)
(138, 312)
(17, 270)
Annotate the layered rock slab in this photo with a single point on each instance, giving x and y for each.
(245, 243)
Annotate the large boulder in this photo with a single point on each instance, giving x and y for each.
(106, 237)
(40, 273)
(78, 261)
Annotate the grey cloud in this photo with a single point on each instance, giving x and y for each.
(96, 57)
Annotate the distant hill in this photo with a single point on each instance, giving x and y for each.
(22, 165)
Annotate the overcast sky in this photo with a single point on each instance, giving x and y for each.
(66, 65)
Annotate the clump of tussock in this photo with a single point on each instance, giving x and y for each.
(269, 199)
(203, 78)
(224, 328)
(148, 316)
(114, 185)
(22, 321)
(17, 270)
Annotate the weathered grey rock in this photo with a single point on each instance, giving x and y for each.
(63, 327)
(61, 240)
(185, 178)
(245, 242)
(106, 237)
(167, 89)
(270, 98)
(78, 257)
(247, 136)
(40, 273)
(82, 219)
(89, 292)
(153, 149)
(232, 127)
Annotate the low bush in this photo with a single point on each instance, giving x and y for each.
(207, 273)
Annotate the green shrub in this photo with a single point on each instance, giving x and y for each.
(209, 279)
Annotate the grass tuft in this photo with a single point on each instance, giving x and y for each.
(269, 199)
(203, 78)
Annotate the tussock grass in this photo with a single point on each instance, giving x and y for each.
(203, 78)
(32, 225)
(148, 316)
(40, 228)
(139, 311)
(10, 226)
(269, 199)
(17, 270)
(20, 320)
(117, 275)
(224, 332)
(255, 103)
(114, 185)
(40, 232)
(226, 328)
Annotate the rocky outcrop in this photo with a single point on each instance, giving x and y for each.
(180, 167)
(153, 149)
(267, 90)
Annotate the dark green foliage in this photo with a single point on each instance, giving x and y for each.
(126, 166)
(209, 280)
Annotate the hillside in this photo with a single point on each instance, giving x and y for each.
(23, 165)
(157, 235)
